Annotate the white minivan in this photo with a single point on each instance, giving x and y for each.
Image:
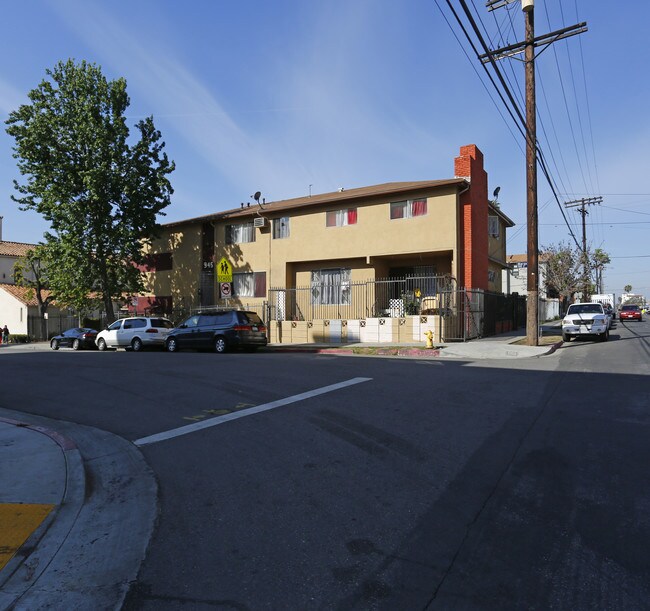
(135, 333)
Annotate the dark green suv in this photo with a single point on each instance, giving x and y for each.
(218, 330)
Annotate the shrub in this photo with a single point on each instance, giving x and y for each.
(19, 338)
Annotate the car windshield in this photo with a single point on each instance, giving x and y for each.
(586, 308)
(630, 307)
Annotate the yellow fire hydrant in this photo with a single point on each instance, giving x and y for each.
(429, 335)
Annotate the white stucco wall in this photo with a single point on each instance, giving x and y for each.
(13, 313)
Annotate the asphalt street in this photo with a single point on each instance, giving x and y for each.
(301, 481)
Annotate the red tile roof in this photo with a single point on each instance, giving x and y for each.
(22, 293)
(15, 249)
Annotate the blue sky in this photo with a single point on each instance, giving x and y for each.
(288, 96)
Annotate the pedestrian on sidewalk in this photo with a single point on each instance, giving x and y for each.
(5, 335)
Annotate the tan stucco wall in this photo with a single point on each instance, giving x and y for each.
(182, 281)
(371, 247)
(313, 245)
(497, 251)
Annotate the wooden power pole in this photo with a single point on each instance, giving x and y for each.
(532, 283)
(582, 204)
(528, 46)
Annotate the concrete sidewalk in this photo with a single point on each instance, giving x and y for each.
(75, 516)
(502, 346)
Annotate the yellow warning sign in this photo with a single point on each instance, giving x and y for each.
(224, 270)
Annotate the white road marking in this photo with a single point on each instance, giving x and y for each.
(198, 426)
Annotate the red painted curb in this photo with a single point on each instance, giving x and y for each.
(63, 442)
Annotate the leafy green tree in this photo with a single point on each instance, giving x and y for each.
(31, 272)
(628, 288)
(564, 270)
(100, 191)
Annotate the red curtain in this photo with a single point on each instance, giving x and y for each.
(419, 207)
(352, 216)
(260, 284)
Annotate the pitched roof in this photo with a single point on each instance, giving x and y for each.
(507, 220)
(336, 197)
(524, 258)
(15, 249)
(21, 293)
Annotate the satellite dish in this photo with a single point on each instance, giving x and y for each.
(257, 196)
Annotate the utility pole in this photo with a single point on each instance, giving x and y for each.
(528, 47)
(582, 204)
(532, 281)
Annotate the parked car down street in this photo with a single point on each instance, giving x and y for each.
(630, 312)
(218, 330)
(77, 338)
(135, 333)
(585, 319)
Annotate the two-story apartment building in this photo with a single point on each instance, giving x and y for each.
(308, 256)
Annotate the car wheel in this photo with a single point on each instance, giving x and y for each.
(171, 345)
(101, 345)
(604, 336)
(76, 344)
(136, 344)
(566, 338)
(220, 344)
(54, 344)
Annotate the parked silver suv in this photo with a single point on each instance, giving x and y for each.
(136, 333)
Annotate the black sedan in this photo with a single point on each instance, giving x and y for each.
(77, 339)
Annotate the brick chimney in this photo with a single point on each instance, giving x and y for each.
(474, 219)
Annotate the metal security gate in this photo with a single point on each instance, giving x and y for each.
(461, 314)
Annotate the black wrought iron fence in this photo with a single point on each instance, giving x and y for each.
(385, 297)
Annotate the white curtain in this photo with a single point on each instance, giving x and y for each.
(243, 285)
(239, 234)
(330, 287)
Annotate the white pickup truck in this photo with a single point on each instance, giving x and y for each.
(585, 319)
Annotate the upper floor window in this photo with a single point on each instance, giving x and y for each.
(281, 228)
(340, 218)
(493, 226)
(238, 234)
(408, 208)
(156, 262)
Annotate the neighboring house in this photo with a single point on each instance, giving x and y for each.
(20, 312)
(10, 252)
(327, 244)
(515, 280)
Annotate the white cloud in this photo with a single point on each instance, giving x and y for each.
(169, 86)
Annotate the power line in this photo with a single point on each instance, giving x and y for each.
(513, 108)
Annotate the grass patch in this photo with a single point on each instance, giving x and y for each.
(544, 340)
